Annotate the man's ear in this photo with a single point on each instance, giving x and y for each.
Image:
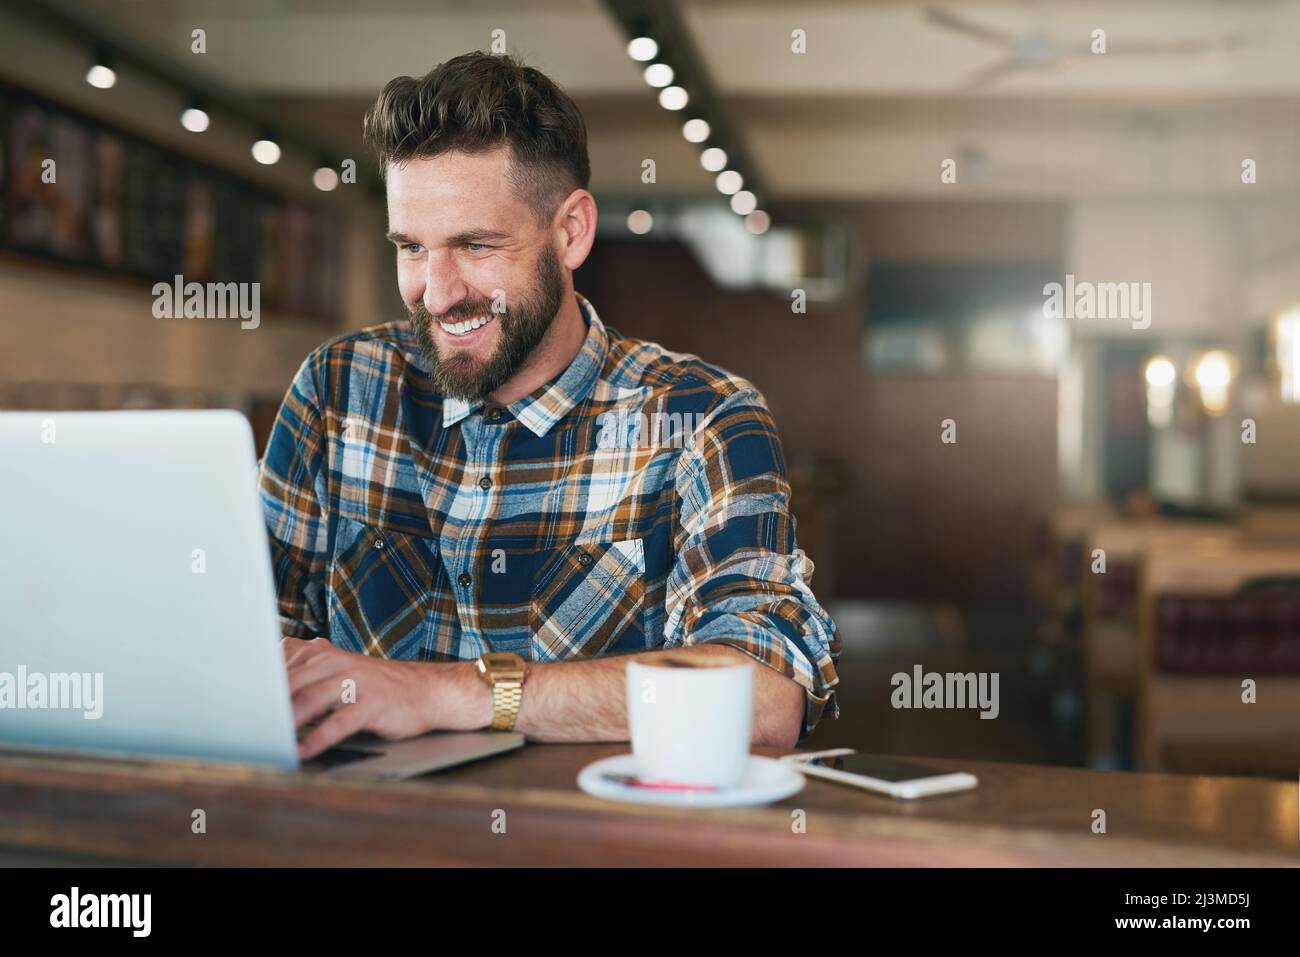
(576, 220)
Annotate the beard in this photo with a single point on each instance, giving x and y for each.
(523, 327)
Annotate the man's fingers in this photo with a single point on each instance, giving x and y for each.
(308, 670)
(341, 724)
(316, 699)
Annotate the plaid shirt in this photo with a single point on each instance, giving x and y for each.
(637, 501)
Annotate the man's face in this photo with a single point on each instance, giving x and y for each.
(464, 241)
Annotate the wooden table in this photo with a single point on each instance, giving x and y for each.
(74, 810)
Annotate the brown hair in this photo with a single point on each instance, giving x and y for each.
(477, 102)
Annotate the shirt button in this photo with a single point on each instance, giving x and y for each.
(493, 414)
(379, 543)
(485, 483)
(584, 559)
(464, 579)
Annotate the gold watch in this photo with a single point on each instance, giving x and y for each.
(505, 671)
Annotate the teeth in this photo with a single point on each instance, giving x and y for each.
(460, 328)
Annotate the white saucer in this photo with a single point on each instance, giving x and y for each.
(766, 780)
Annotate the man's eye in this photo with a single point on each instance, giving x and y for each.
(411, 248)
(479, 245)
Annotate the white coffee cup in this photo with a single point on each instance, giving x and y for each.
(689, 716)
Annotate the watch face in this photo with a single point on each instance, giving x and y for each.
(503, 664)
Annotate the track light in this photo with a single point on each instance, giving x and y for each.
(266, 150)
(325, 178)
(103, 69)
(195, 116)
(696, 130)
(673, 98)
(642, 49)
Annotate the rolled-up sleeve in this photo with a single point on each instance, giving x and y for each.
(740, 579)
(291, 479)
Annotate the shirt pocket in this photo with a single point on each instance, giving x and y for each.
(588, 599)
(383, 589)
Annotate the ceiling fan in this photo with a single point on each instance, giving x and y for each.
(1039, 50)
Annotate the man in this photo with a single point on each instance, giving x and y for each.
(476, 515)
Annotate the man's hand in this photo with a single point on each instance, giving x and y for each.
(393, 699)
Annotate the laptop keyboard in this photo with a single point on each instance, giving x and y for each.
(339, 755)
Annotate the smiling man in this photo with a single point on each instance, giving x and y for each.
(470, 525)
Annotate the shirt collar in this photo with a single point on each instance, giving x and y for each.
(546, 405)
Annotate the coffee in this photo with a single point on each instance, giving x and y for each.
(672, 659)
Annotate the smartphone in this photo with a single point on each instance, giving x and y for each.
(898, 779)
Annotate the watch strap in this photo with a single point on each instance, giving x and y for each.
(507, 697)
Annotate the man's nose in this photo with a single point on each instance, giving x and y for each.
(444, 289)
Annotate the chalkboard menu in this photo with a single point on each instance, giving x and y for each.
(114, 202)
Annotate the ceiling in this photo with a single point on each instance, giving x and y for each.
(884, 94)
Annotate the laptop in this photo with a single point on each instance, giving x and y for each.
(138, 613)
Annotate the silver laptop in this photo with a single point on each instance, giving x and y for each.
(137, 604)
